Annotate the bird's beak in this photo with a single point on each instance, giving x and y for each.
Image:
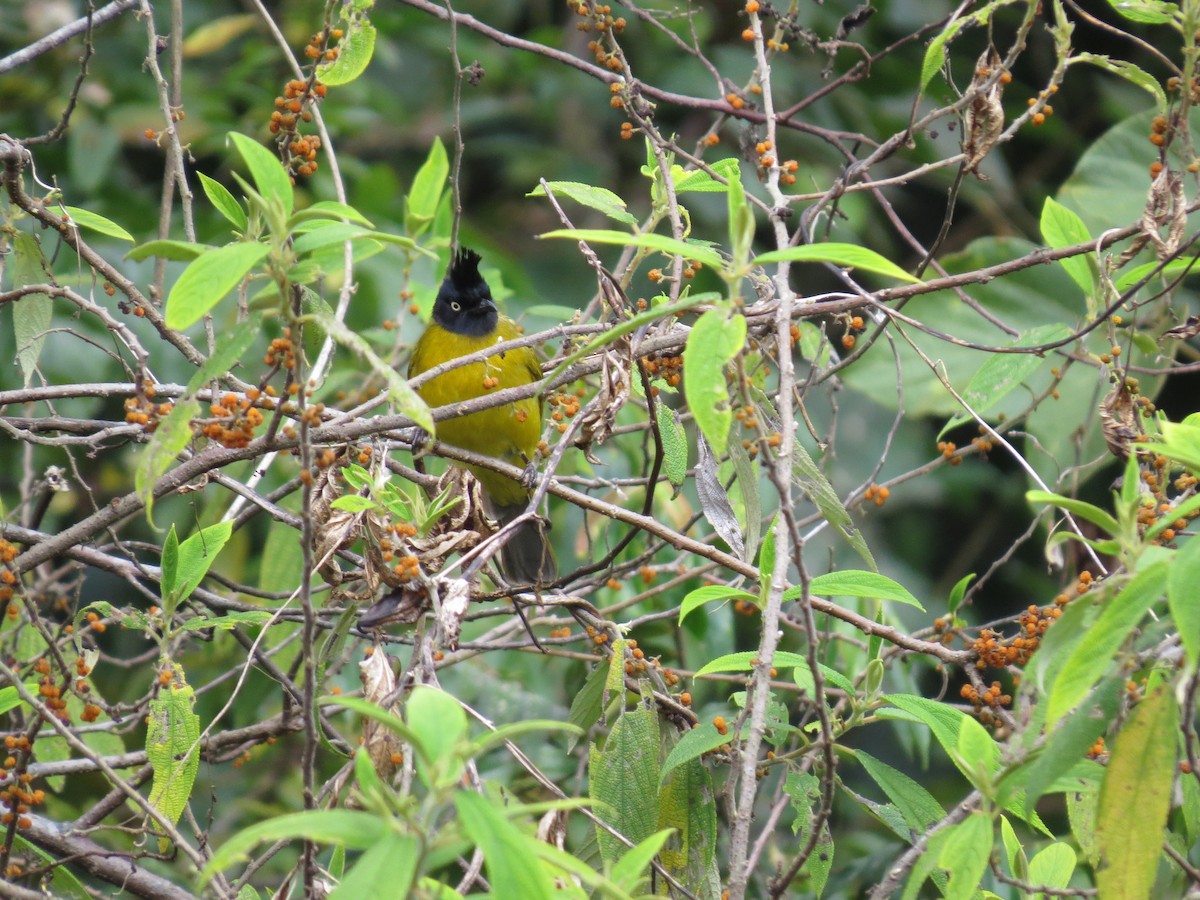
(487, 304)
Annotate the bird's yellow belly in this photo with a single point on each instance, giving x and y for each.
(509, 432)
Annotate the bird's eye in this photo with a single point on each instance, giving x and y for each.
(454, 305)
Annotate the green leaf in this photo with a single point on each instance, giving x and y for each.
(174, 432)
(177, 251)
(282, 563)
(623, 782)
(172, 435)
(208, 279)
(340, 232)
(1002, 373)
(354, 503)
(438, 723)
(965, 741)
(699, 180)
(741, 224)
(32, 313)
(84, 218)
(1135, 797)
(422, 202)
(744, 661)
(958, 592)
(857, 583)
(687, 803)
(631, 868)
(386, 869)
(1183, 598)
(512, 870)
(675, 444)
(1166, 271)
(331, 210)
(195, 557)
(270, 177)
(1053, 866)
(1067, 743)
(226, 204)
(849, 255)
(804, 791)
(1149, 12)
(702, 252)
(1129, 72)
(711, 593)
(1096, 652)
(173, 749)
(818, 489)
(354, 55)
(964, 854)
(935, 53)
(407, 401)
(588, 703)
(694, 743)
(1093, 514)
(715, 340)
(350, 828)
(597, 198)
(916, 805)
(170, 563)
(1062, 227)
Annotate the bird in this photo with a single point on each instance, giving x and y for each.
(465, 320)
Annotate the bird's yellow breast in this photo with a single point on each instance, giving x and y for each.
(509, 432)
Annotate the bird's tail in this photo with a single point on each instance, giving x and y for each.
(526, 557)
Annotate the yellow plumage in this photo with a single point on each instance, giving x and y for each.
(510, 432)
(466, 321)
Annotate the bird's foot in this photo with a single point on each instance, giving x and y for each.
(529, 476)
(420, 443)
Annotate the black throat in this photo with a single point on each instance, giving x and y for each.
(464, 302)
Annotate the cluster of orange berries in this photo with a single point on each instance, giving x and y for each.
(143, 411)
(668, 368)
(876, 494)
(566, 406)
(747, 415)
(564, 632)
(1156, 477)
(281, 351)
(17, 796)
(50, 692)
(745, 607)
(996, 651)
(982, 443)
(294, 106)
(637, 664)
(8, 552)
(1040, 117)
(402, 530)
(599, 638)
(626, 130)
(987, 702)
(854, 327)
(948, 449)
(766, 160)
(233, 421)
(316, 48)
(1097, 749)
(407, 567)
(598, 17)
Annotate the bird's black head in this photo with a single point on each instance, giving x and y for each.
(464, 303)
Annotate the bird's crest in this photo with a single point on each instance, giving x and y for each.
(464, 269)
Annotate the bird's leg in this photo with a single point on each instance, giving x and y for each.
(420, 445)
(529, 476)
